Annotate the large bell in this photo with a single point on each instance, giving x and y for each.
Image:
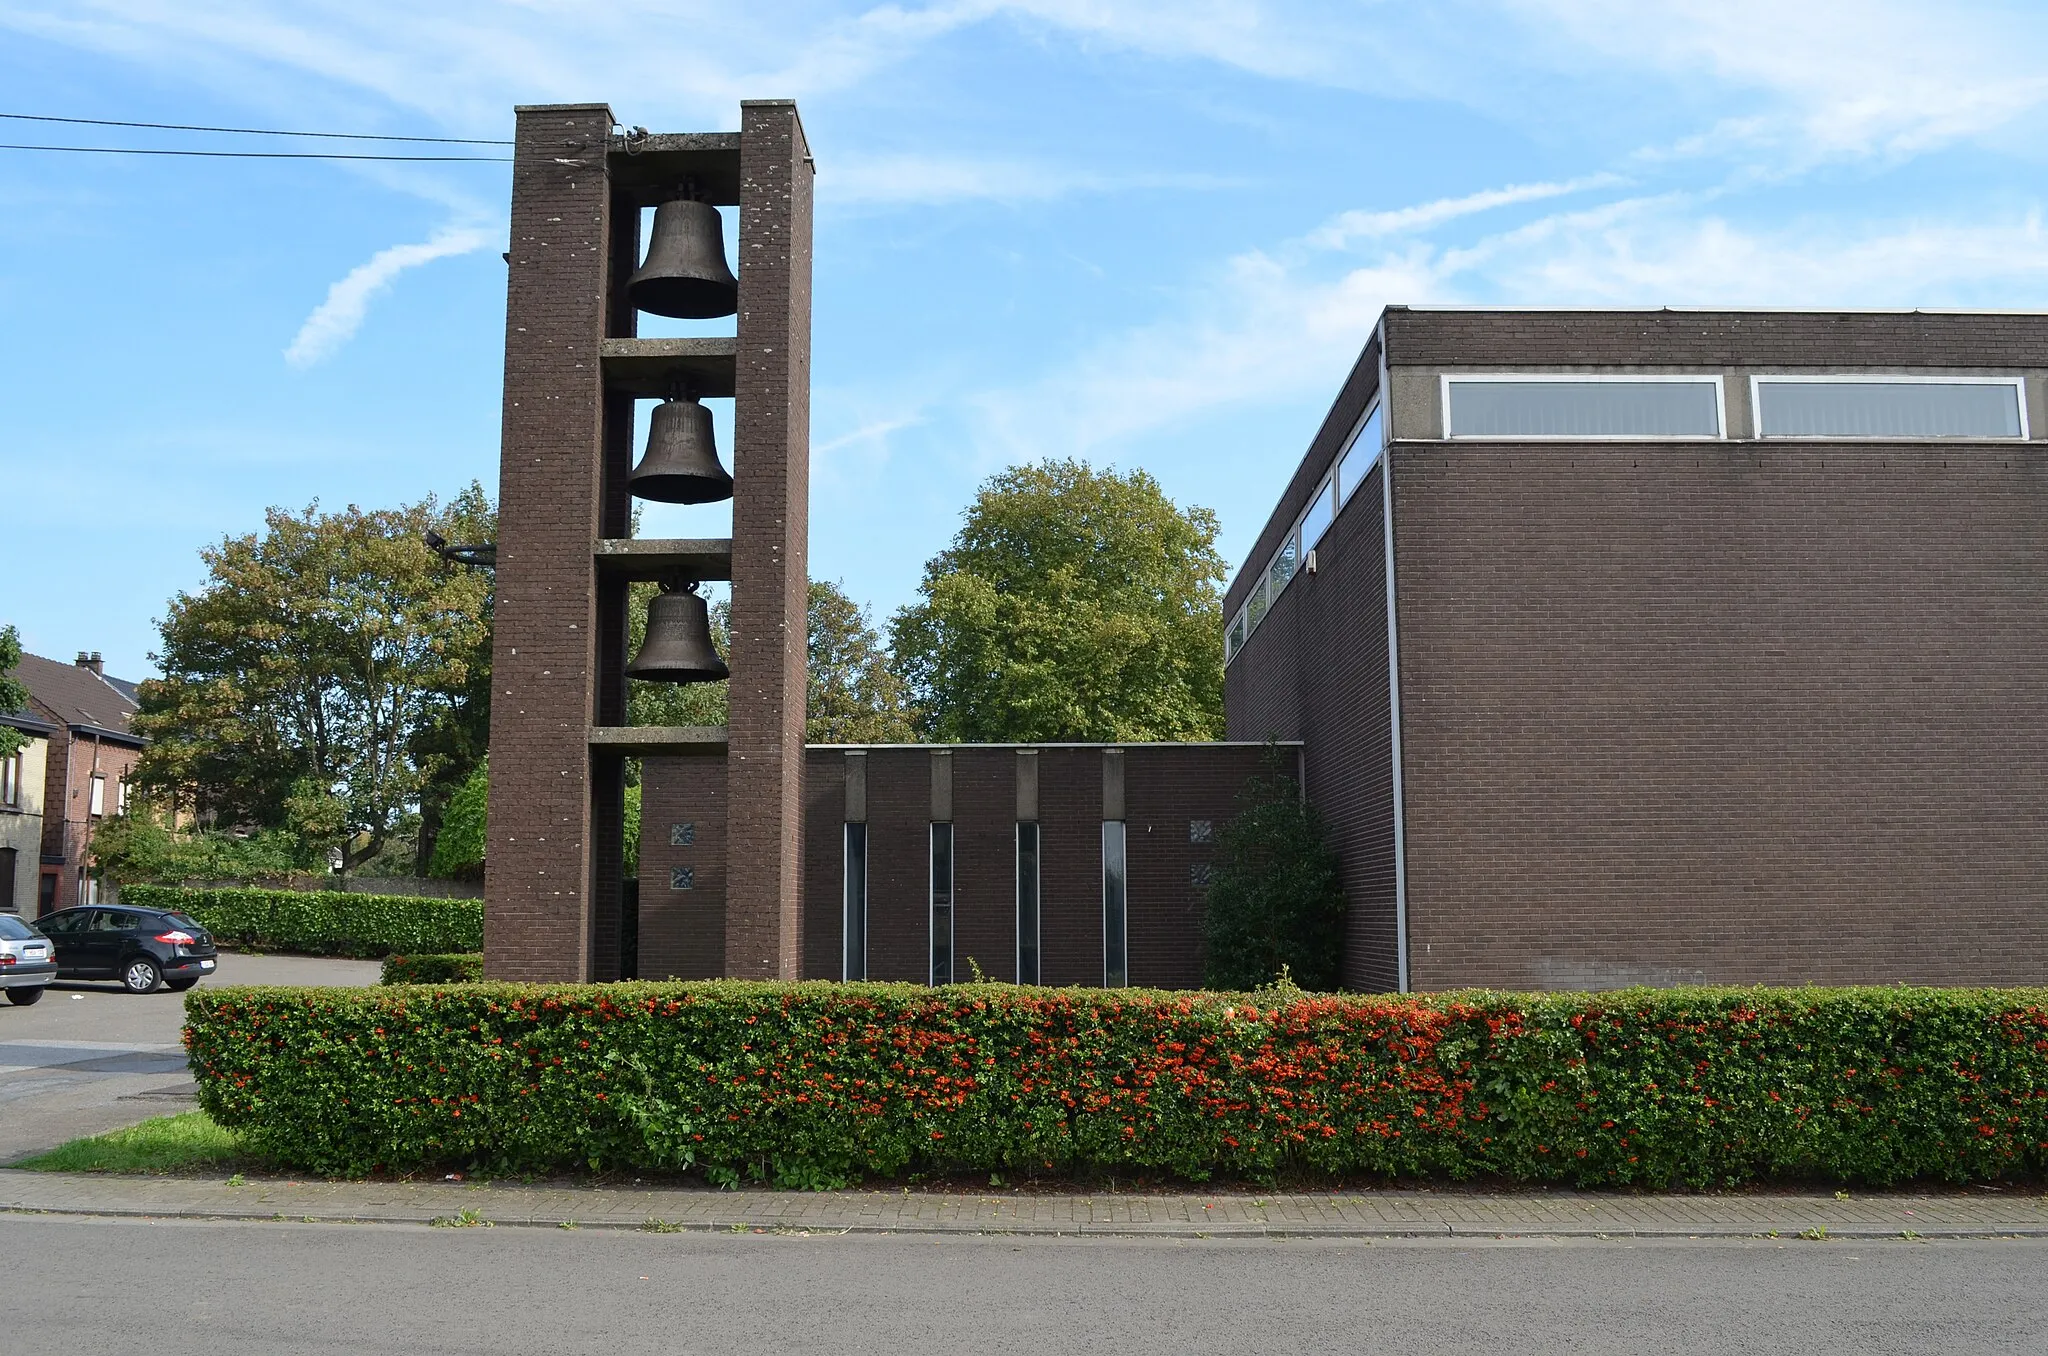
(685, 274)
(681, 465)
(678, 646)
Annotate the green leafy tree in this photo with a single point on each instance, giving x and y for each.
(1073, 604)
(13, 694)
(300, 679)
(141, 846)
(1275, 904)
(451, 742)
(459, 848)
(856, 695)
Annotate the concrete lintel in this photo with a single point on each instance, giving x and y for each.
(659, 163)
(645, 367)
(700, 558)
(658, 741)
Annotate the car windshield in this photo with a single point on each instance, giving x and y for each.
(14, 930)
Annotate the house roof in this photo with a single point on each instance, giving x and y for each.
(76, 697)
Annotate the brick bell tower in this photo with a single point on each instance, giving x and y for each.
(574, 368)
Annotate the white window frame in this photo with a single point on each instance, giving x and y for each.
(1757, 381)
(96, 796)
(1587, 378)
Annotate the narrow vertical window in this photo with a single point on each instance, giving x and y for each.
(942, 904)
(10, 781)
(1027, 903)
(1115, 958)
(97, 805)
(856, 901)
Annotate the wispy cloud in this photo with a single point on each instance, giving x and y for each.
(1349, 227)
(335, 321)
(927, 180)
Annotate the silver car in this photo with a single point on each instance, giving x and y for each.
(28, 962)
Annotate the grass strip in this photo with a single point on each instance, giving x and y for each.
(162, 1144)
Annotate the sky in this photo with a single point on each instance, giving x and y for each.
(1145, 233)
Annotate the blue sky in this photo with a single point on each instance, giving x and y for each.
(1143, 232)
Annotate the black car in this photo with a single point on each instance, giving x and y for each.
(140, 947)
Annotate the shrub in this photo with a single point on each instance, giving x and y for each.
(459, 847)
(1274, 902)
(465, 967)
(324, 922)
(818, 1084)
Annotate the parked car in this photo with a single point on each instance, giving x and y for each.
(140, 947)
(26, 965)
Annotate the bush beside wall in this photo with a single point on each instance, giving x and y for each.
(466, 967)
(323, 923)
(819, 1084)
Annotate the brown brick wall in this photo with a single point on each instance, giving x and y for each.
(1316, 671)
(770, 548)
(68, 823)
(1165, 787)
(537, 917)
(1733, 712)
(682, 931)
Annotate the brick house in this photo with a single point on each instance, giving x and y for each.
(21, 810)
(1670, 646)
(90, 756)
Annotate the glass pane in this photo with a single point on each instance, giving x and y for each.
(1115, 963)
(856, 901)
(1584, 409)
(1321, 511)
(1887, 409)
(1027, 904)
(1284, 562)
(1255, 610)
(1360, 457)
(1233, 642)
(942, 904)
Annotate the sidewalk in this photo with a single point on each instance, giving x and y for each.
(1378, 1214)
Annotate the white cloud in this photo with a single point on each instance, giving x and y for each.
(335, 320)
(1348, 227)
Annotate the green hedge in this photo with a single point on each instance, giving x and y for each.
(465, 967)
(818, 1084)
(325, 922)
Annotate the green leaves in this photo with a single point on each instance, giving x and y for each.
(1274, 902)
(13, 692)
(324, 923)
(1073, 604)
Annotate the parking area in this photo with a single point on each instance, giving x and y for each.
(91, 1058)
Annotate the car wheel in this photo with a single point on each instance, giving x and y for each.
(141, 975)
(179, 985)
(22, 998)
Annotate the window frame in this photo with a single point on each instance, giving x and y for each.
(847, 900)
(933, 905)
(96, 796)
(11, 769)
(1122, 878)
(1037, 930)
(1757, 381)
(1446, 379)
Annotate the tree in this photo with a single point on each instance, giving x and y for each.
(1073, 604)
(300, 683)
(453, 739)
(1274, 898)
(13, 693)
(855, 696)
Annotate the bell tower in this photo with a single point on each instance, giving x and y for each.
(574, 368)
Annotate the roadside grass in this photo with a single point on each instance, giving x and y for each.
(185, 1142)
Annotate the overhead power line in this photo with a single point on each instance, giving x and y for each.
(258, 155)
(249, 131)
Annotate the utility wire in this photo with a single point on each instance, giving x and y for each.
(247, 131)
(258, 155)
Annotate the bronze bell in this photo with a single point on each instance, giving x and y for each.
(678, 646)
(685, 274)
(681, 465)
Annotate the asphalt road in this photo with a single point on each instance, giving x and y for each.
(195, 1287)
(91, 1057)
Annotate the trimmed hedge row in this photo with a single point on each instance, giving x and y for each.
(819, 1084)
(325, 922)
(463, 967)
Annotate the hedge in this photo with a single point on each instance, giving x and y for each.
(324, 922)
(463, 967)
(819, 1084)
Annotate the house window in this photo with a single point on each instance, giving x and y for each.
(855, 876)
(1027, 903)
(1888, 407)
(9, 864)
(121, 796)
(1285, 561)
(1322, 511)
(1255, 610)
(10, 782)
(96, 804)
(1116, 970)
(1233, 640)
(682, 835)
(942, 904)
(1582, 407)
(682, 878)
